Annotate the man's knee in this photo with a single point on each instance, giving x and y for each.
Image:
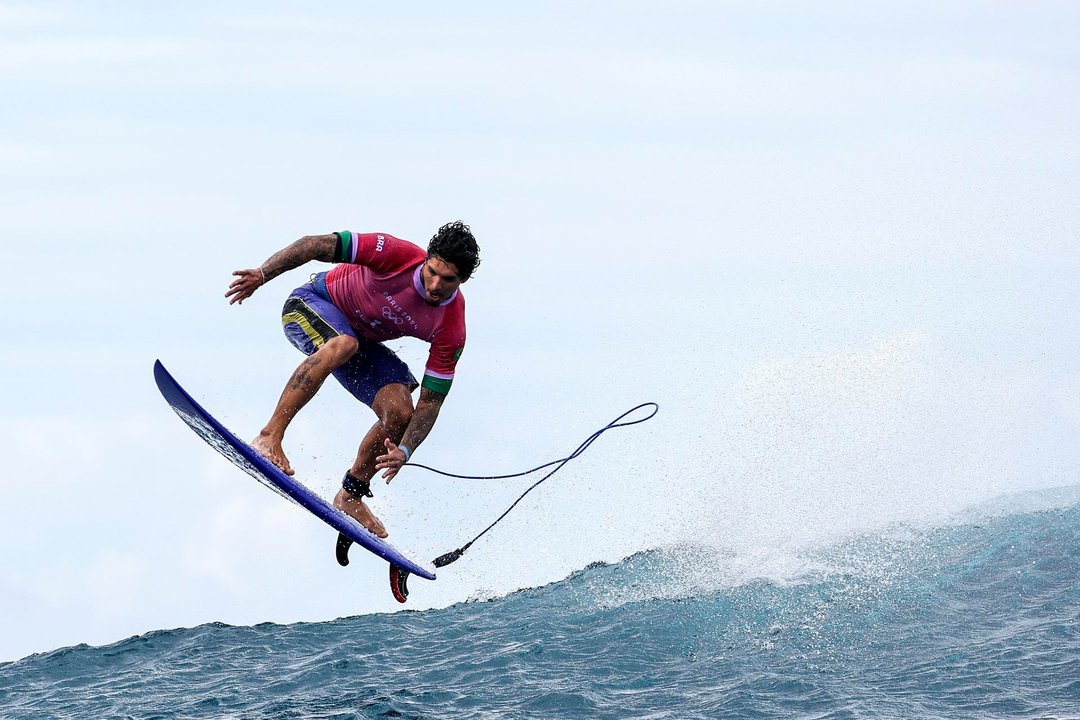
(339, 349)
(396, 418)
(393, 405)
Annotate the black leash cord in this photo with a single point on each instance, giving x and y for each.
(453, 555)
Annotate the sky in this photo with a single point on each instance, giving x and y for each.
(835, 242)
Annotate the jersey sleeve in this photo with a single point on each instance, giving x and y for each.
(381, 252)
(446, 349)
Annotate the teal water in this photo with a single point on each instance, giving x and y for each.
(978, 620)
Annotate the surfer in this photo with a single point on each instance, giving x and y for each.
(380, 288)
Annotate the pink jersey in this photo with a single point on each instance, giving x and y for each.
(379, 289)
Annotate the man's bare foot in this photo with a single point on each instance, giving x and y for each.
(355, 508)
(271, 450)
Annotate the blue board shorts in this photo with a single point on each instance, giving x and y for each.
(309, 319)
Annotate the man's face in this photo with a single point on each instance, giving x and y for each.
(440, 279)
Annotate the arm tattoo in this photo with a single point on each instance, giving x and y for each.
(307, 248)
(423, 419)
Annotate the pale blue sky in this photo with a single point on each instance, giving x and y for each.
(836, 241)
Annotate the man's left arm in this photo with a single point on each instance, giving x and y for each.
(423, 419)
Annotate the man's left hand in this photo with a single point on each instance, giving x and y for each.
(391, 462)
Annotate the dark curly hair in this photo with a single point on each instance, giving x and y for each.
(455, 244)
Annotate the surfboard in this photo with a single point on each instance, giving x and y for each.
(244, 457)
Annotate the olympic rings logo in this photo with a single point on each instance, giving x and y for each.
(392, 316)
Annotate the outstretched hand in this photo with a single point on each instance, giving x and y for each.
(245, 284)
(391, 462)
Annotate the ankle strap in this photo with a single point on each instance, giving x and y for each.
(355, 486)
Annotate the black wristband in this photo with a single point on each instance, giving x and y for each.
(339, 249)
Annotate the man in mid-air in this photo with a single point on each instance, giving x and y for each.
(382, 288)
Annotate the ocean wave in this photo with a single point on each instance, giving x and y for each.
(971, 619)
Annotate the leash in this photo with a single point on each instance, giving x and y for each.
(447, 558)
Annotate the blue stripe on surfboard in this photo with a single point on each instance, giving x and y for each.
(243, 456)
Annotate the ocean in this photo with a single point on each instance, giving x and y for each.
(976, 618)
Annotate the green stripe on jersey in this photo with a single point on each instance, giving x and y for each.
(438, 385)
(343, 251)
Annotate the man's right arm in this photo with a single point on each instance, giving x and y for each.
(306, 249)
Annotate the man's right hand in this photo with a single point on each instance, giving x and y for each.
(245, 284)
